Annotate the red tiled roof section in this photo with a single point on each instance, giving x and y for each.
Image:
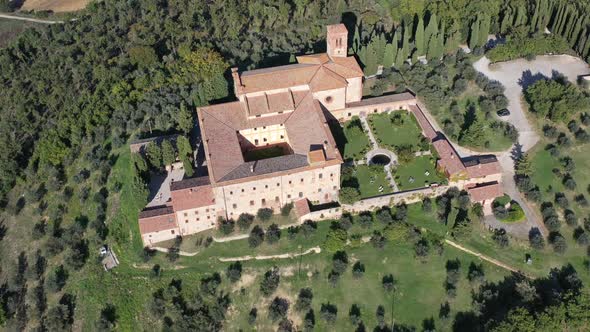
(449, 159)
(157, 220)
(481, 170)
(427, 129)
(302, 207)
(303, 132)
(325, 79)
(485, 192)
(280, 77)
(192, 198)
(319, 71)
(346, 67)
(316, 156)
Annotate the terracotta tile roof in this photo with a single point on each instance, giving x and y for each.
(336, 28)
(485, 192)
(479, 167)
(405, 96)
(190, 183)
(192, 197)
(306, 129)
(280, 102)
(318, 71)
(449, 159)
(156, 220)
(280, 77)
(316, 156)
(301, 207)
(427, 129)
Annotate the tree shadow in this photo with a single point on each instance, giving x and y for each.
(529, 79)
(517, 152)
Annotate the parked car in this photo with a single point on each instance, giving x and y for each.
(503, 112)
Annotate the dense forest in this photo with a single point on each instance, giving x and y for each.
(73, 93)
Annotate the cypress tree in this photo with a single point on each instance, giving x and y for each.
(362, 54)
(419, 37)
(395, 44)
(431, 29)
(535, 19)
(380, 44)
(506, 21)
(474, 35)
(356, 41)
(371, 65)
(574, 35)
(389, 56)
(484, 29)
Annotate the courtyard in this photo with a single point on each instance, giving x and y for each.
(396, 129)
(418, 173)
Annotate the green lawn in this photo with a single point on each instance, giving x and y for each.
(354, 141)
(365, 174)
(417, 169)
(389, 133)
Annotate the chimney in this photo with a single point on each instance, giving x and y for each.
(252, 166)
(238, 87)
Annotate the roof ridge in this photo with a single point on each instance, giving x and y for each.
(338, 76)
(345, 67)
(297, 106)
(291, 66)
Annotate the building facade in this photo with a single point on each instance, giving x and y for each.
(273, 145)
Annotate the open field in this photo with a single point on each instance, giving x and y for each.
(55, 5)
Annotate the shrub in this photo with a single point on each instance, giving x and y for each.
(256, 236)
(308, 228)
(358, 270)
(245, 221)
(304, 299)
(384, 216)
(421, 248)
(252, 315)
(378, 240)
(570, 218)
(581, 237)
(292, 232)
(388, 283)
(328, 312)
(476, 273)
(286, 209)
(427, 204)
(226, 226)
(349, 195)
(501, 238)
(264, 214)
(270, 281)
(340, 262)
(345, 221)
(536, 239)
(558, 242)
(365, 219)
(354, 314)
(234, 271)
(309, 321)
(335, 240)
(278, 308)
(273, 234)
(285, 325)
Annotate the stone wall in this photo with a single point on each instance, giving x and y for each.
(408, 197)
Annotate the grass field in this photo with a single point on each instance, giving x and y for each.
(417, 169)
(355, 142)
(10, 29)
(391, 134)
(366, 174)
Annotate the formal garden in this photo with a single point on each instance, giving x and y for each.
(396, 131)
(418, 173)
(354, 141)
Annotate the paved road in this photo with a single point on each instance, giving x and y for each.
(28, 19)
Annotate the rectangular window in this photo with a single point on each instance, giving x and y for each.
(186, 221)
(300, 194)
(254, 188)
(277, 199)
(263, 201)
(252, 203)
(289, 196)
(185, 214)
(321, 175)
(266, 186)
(235, 206)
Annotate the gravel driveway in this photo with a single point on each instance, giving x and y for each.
(516, 75)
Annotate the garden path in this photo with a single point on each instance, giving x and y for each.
(375, 146)
(314, 250)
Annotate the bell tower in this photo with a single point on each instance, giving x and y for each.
(337, 40)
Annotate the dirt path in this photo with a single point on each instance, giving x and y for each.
(314, 250)
(486, 258)
(29, 19)
(245, 236)
(181, 253)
